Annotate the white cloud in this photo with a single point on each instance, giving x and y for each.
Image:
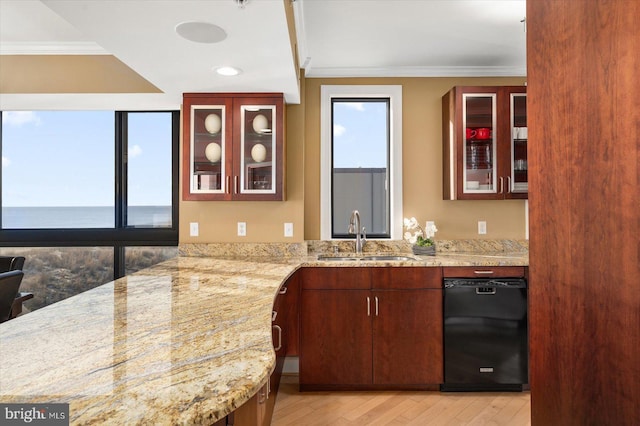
(358, 106)
(18, 118)
(5, 161)
(135, 151)
(338, 130)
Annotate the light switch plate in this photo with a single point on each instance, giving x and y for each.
(193, 229)
(288, 229)
(242, 229)
(482, 227)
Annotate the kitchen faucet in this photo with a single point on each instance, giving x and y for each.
(354, 228)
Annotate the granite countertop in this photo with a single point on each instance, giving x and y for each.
(184, 342)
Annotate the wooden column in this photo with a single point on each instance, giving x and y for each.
(583, 59)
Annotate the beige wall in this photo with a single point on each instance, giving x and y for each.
(422, 162)
(69, 74)
(422, 175)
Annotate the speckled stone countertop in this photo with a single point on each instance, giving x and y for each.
(184, 342)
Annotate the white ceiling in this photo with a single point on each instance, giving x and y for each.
(335, 37)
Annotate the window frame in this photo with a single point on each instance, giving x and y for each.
(119, 236)
(394, 94)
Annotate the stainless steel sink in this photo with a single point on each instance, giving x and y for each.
(337, 258)
(367, 258)
(390, 257)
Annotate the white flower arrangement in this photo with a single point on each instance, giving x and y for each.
(417, 235)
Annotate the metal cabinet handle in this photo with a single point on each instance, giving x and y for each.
(283, 290)
(279, 330)
(483, 272)
(376, 298)
(268, 387)
(274, 314)
(368, 306)
(501, 184)
(263, 393)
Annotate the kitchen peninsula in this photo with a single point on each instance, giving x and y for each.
(184, 342)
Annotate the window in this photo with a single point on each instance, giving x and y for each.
(56, 171)
(149, 169)
(361, 160)
(87, 184)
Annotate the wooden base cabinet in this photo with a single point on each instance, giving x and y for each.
(336, 337)
(407, 337)
(370, 328)
(259, 409)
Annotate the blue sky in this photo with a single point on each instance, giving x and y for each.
(360, 130)
(66, 158)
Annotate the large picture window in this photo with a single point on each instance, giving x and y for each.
(75, 184)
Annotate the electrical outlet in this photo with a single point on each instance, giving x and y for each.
(288, 229)
(242, 229)
(193, 229)
(482, 227)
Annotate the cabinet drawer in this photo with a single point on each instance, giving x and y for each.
(336, 278)
(483, 271)
(406, 278)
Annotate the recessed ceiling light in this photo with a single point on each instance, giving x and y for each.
(228, 71)
(201, 32)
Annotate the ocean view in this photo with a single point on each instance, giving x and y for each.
(82, 217)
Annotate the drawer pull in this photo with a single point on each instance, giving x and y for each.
(279, 330)
(376, 298)
(274, 314)
(368, 306)
(283, 290)
(483, 272)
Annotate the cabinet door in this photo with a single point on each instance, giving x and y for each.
(479, 136)
(289, 312)
(335, 337)
(207, 152)
(407, 337)
(518, 165)
(258, 168)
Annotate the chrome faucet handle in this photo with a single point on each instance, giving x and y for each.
(364, 236)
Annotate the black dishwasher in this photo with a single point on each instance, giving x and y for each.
(485, 334)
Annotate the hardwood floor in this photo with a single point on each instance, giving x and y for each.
(398, 408)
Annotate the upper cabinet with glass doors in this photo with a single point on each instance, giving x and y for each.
(484, 143)
(233, 147)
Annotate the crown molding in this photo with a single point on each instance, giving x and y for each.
(54, 48)
(440, 71)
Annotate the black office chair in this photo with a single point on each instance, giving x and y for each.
(9, 287)
(11, 263)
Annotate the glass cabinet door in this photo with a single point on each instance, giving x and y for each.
(479, 148)
(208, 149)
(257, 148)
(519, 135)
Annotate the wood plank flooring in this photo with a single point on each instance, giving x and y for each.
(398, 408)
